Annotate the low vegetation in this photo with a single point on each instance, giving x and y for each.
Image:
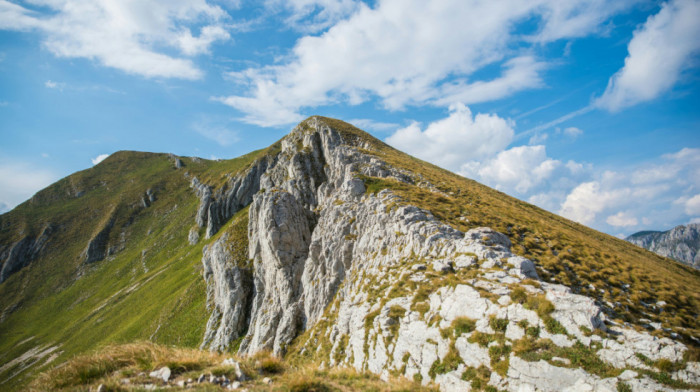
(112, 365)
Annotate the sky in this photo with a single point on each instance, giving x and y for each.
(587, 108)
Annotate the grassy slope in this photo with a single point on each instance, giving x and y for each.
(564, 251)
(156, 294)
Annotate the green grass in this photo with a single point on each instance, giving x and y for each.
(150, 289)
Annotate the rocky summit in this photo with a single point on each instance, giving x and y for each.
(682, 243)
(333, 249)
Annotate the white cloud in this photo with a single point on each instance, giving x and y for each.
(314, 15)
(456, 139)
(538, 138)
(573, 132)
(692, 206)
(411, 52)
(365, 124)
(54, 85)
(126, 35)
(658, 53)
(621, 219)
(588, 199)
(99, 158)
(657, 193)
(518, 169)
(19, 181)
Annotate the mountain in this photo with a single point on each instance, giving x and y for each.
(331, 249)
(681, 243)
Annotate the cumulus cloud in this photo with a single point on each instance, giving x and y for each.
(648, 193)
(519, 168)
(19, 181)
(692, 206)
(99, 158)
(658, 53)
(408, 52)
(126, 35)
(456, 139)
(621, 219)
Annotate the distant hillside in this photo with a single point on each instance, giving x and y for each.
(680, 243)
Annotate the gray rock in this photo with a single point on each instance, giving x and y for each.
(682, 243)
(229, 289)
(96, 249)
(321, 247)
(22, 252)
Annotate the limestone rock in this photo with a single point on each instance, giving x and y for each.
(22, 252)
(162, 373)
(229, 289)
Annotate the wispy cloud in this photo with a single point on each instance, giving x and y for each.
(128, 36)
(658, 53)
(413, 52)
(219, 132)
(555, 122)
(54, 85)
(369, 124)
(20, 180)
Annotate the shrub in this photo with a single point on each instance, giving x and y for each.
(518, 295)
(498, 325)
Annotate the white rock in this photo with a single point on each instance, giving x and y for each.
(162, 373)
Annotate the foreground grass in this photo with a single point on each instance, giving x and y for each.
(112, 365)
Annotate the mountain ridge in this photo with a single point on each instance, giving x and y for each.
(229, 221)
(680, 243)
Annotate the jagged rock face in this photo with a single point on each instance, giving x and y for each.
(216, 207)
(682, 243)
(380, 282)
(96, 249)
(22, 252)
(279, 234)
(229, 290)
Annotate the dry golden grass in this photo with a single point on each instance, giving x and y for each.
(111, 364)
(126, 359)
(629, 277)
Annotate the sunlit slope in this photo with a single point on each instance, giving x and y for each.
(149, 287)
(631, 282)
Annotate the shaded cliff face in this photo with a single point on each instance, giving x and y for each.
(332, 247)
(682, 243)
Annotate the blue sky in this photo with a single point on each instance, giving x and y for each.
(588, 108)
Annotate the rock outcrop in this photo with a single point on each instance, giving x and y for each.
(682, 243)
(96, 249)
(22, 252)
(383, 286)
